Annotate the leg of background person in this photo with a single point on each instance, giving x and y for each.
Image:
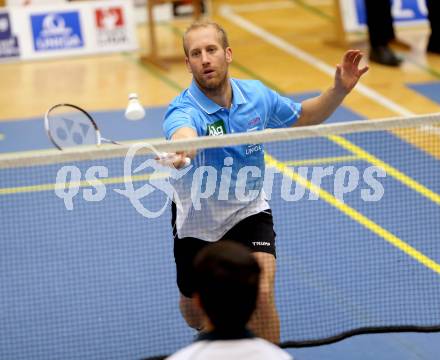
(379, 22)
(380, 32)
(265, 322)
(434, 21)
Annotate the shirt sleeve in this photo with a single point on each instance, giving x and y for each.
(284, 112)
(176, 118)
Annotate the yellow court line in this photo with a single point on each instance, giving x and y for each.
(84, 183)
(356, 215)
(53, 152)
(326, 160)
(2, 136)
(390, 170)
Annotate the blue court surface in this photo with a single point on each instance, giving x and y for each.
(431, 90)
(98, 281)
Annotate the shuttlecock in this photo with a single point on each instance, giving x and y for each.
(134, 110)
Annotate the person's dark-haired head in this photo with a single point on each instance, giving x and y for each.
(227, 281)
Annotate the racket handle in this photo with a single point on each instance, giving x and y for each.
(187, 162)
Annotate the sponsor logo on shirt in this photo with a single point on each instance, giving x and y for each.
(56, 31)
(253, 148)
(216, 128)
(110, 24)
(254, 121)
(8, 42)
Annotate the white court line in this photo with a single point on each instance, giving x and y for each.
(272, 5)
(228, 13)
(431, 129)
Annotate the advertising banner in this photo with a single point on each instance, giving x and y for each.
(66, 29)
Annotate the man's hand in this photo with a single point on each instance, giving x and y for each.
(348, 73)
(181, 157)
(319, 108)
(177, 160)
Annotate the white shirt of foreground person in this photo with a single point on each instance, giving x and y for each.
(240, 349)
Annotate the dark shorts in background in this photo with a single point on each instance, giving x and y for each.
(256, 232)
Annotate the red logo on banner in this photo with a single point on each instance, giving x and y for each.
(109, 18)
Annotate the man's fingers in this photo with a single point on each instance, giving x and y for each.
(363, 70)
(338, 70)
(350, 55)
(357, 59)
(346, 57)
(181, 161)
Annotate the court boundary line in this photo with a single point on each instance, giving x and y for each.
(79, 184)
(53, 152)
(389, 169)
(323, 160)
(263, 6)
(356, 216)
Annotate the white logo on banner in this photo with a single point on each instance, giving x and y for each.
(54, 25)
(4, 25)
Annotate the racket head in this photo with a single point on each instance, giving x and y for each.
(68, 125)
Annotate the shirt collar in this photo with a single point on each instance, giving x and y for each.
(209, 106)
(237, 95)
(218, 335)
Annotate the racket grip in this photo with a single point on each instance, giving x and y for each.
(187, 162)
(168, 159)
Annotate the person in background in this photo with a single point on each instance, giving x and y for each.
(434, 21)
(381, 31)
(227, 278)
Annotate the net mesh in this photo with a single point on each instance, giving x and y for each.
(87, 272)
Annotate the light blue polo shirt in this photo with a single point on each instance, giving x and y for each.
(254, 107)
